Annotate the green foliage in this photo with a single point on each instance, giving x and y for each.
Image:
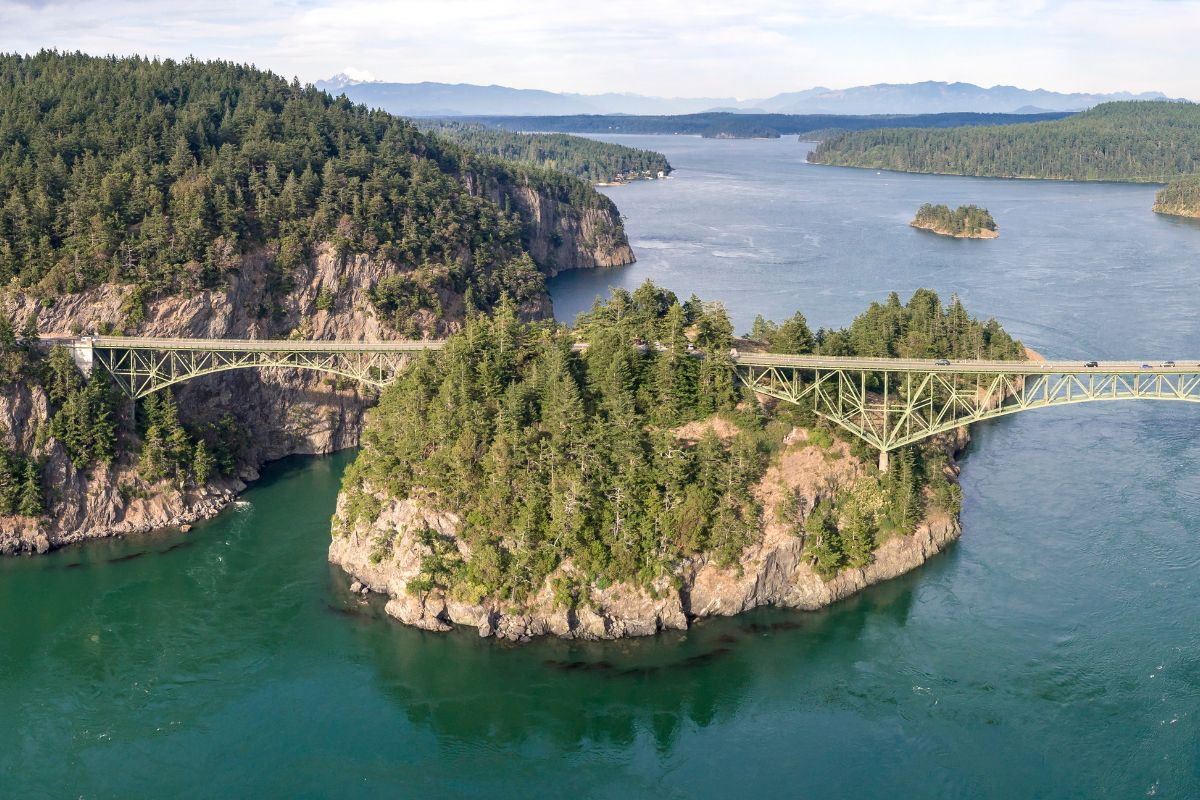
(586, 159)
(162, 174)
(1128, 141)
(20, 484)
(548, 454)
(920, 329)
(29, 496)
(793, 336)
(962, 221)
(85, 413)
(1180, 197)
(170, 452)
(716, 123)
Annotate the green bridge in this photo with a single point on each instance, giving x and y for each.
(888, 403)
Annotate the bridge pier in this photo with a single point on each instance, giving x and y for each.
(82, 353)
(883, 461)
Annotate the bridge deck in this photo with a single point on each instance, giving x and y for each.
(967, 366)
(263, 345)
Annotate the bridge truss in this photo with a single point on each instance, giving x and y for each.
(141, 366)
(890, 403)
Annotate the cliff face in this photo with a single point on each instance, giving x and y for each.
(386, 554)
(561, 235)
(282, 412)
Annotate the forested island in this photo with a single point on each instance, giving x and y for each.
(587, 159)
(1180, 198)
(208, 199)
(522, 485)
(964, 222)
(722, 124)
(1125, 141)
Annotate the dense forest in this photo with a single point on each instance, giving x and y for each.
(548, 453)
(723, 124)
(970, 222)
(1130, 141)
(1180, 198)
(586, 159)
(84, 418)
(163, 173)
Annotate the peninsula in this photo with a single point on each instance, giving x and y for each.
(1180, 198)
(964, 222)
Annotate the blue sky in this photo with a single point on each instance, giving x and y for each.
(740, 48)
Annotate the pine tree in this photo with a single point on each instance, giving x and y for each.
(202, 463)
(9, 485)
(29, 502)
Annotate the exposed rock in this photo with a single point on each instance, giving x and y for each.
(387, 554)
(283, 412)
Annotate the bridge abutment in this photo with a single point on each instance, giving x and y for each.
(883, 461)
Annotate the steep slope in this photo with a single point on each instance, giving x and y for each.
(210, 199)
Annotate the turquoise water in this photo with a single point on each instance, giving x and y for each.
(1053, 652)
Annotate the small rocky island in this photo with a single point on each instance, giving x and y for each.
(964, 222)
(1180, 198)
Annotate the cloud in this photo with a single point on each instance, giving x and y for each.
(670, 47)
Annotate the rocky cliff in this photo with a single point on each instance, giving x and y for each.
(282, 413)
(385, 555)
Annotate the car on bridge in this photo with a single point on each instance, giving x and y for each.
(942, 362)
(1168, 364)
(1091, 364)
(1147, 366)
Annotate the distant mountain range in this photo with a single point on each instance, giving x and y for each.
(929, 97)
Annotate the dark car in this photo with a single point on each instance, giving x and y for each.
(1091, 364)
(1147, 366)
(942, 362)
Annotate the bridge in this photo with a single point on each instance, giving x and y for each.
(886, 402)
(892, 402)
(141, 366)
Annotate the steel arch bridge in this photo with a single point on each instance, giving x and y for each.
(886, 402)
(890, 403)
(141, 366)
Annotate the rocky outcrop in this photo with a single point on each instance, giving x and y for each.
(282, 413)
(386, 555)
(103, 501)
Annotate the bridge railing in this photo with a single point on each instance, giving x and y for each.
(261, 345)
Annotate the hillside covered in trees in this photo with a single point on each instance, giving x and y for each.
(724, 124)
(1128, 141)
(1180, 198)
(552, 455)
(213, 199)
(964, 222)
(165, 174)
(586, 159)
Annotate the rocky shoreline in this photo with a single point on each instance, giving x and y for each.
(384, 555)
(281, 413)
(981, 234)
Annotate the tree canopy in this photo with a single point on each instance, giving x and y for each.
(551, 454)
(1123, 141)
(164, 173)
(587, 159)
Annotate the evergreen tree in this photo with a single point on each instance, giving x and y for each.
(202, 463)
(29, 500)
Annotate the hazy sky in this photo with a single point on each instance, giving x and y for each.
(742, 48)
